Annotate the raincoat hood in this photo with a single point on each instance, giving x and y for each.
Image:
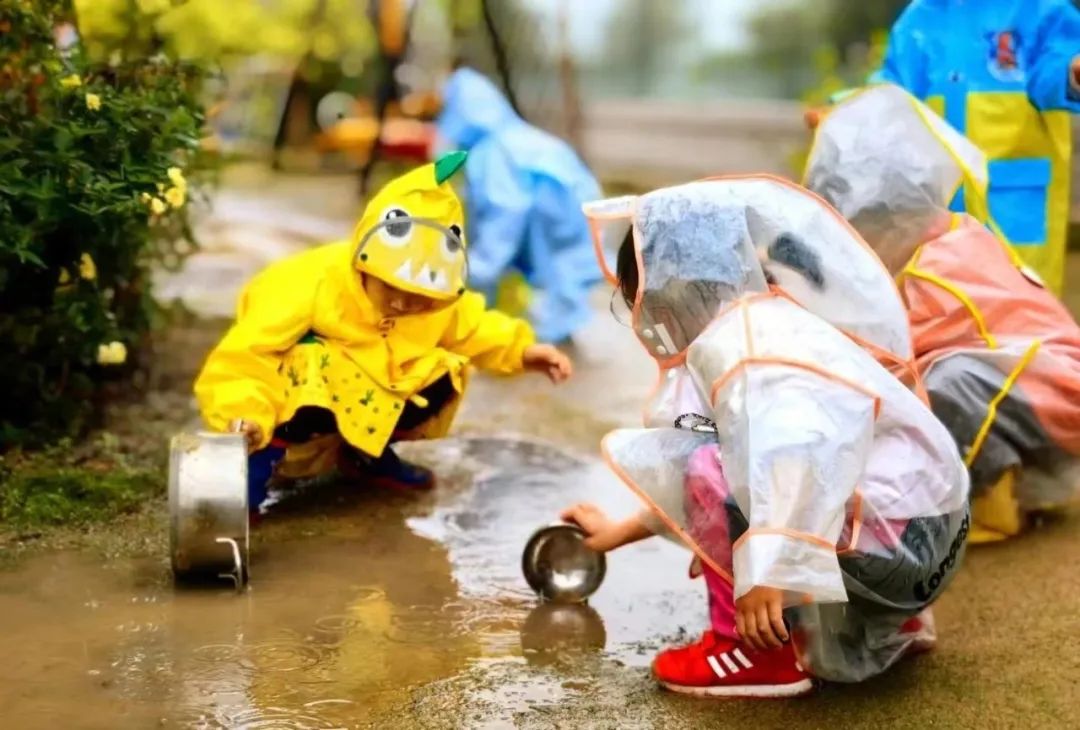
(411, 234)
(473, 108)
(705, 244)
(891, 167)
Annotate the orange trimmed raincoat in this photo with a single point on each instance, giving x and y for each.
(763, 309)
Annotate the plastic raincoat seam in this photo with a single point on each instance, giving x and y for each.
(687, 540)
(785, 532)
(723, 380)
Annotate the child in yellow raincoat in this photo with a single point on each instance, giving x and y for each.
(341, 350)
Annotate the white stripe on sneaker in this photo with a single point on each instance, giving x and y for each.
(742, 658)
(732, 666)
(716, 667)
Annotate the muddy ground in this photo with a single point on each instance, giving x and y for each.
(369, 609)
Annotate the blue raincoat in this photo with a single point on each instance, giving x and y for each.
(998, 71)
(524, 192)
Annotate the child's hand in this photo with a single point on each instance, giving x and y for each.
(252, 432)
(547, 359)
(759, 618)
(598, 526)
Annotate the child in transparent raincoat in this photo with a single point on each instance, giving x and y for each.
(999, 354)
(341, 350)
(826, 505)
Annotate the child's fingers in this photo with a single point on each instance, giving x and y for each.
(756, 637)
(765, 629)
(776, 618)
(740, 624)
(577, 513)
(566, 366)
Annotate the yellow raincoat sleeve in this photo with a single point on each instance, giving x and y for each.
(491, 340)
(240, 378)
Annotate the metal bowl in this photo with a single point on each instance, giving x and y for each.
(559, 567)
(208, 507)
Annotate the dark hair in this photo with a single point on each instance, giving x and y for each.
(626, 269)
(791, 251)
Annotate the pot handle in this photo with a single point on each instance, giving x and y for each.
(237, 573)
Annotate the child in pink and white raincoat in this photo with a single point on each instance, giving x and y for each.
(825, 503)
(999, 354)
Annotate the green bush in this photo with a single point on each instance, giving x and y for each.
(72, 485)
(93, 194)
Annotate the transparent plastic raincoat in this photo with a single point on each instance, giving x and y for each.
(999, 354)
(524, 191)
(845, 491)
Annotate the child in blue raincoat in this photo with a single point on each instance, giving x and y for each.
(524, 189)
(1005, 73)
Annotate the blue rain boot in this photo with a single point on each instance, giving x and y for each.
(388, 471)
(261, 466)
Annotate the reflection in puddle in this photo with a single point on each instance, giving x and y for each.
(555, 632)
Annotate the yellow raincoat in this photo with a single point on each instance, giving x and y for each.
(307, 334)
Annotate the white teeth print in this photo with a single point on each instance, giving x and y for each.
(424, 277)
(441, 282)
(405, 272)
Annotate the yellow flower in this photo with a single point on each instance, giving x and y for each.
(87, 267)
(65, 277)
(176, 177)
(114, 353)
(175, 197)
(71, 82)
(157, 206)
(93, 102)
(144, 198)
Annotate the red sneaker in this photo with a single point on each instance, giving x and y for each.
(718, 667)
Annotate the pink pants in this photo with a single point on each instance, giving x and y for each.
(707, 491)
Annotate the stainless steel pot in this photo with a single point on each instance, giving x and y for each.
(208, 506)
(559, 567)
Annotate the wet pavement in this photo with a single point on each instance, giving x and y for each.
(395, 610)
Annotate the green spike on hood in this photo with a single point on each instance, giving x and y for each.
(448, 164)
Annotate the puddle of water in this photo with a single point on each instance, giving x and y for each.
(373, 610)
(344, 626)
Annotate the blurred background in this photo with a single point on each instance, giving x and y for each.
(609, 76)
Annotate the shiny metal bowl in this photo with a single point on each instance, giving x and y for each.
(559, 567)
(208, 507)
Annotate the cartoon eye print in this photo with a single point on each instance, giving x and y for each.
(396, 235)
(452, 244)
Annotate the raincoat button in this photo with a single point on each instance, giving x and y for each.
(647, 334)
(660, 349)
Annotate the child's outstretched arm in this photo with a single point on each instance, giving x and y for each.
(239, 381)
(605, 534)
(499, 343)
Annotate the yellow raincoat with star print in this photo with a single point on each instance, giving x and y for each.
(307, 334)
